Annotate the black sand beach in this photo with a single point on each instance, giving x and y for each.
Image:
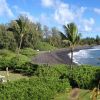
(56, 57)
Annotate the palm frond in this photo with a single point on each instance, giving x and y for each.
(63, 36)
(10, 29)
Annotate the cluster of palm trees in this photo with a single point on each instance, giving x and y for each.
(71, 34)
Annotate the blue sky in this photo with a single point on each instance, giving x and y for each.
(85, 13)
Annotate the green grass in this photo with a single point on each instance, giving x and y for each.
(12, 76)
(83, 95)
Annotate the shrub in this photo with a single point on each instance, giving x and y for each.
(44, 46)
(51, 71)
(28, 52)
(19, 60)
(27, 69)
(5, 58)
(33, 89)
(11, 60)
(84, 76)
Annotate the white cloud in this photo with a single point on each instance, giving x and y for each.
(97, 10)
(63, 14)
(88, 24)
(80, 11)
(48, 3)
(4, 9)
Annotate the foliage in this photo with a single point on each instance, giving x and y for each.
(28, 52)
(71, 36)
(7, 40)
(19, 60)
(26, 69)
(34, 88)
(84, 76)
(44, 46)
(5, 58)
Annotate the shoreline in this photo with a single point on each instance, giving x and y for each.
(76, 49)
(57, 57)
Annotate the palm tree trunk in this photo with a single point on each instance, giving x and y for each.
(71, 57)
(20, 44)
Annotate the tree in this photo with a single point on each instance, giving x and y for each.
(55, 38)
(71, 36)
(19, 30)
(97, 40)
(6, 38)
(46, 32)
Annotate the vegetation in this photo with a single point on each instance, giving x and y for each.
(25, 38)
(71, 36)
(29, 52)
(13, 76)
(83, 95)
(22, 33)
(19, 30)
(44, 46)
(39, 87)
(48, 81)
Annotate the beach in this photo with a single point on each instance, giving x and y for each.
(56, 57)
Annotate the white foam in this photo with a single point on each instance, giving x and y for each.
(77, 55)
(81, 54)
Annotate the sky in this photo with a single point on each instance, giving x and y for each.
(84, 13)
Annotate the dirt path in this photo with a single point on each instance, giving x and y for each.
(57, 57)
(74, 94)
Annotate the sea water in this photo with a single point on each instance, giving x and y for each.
(87, 56)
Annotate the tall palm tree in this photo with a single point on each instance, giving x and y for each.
(71, 36)
(19, 30)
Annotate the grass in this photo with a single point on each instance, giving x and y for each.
(12, 76)
(83, 95)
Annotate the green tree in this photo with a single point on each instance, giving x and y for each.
(71, 36)
(97, 40)
(55, 38)
(7, 40)
(46, 32)
(19, 30)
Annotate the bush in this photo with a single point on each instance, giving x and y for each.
(51, 71)
(27, 69)
(44, 46)
(5, 58)
(33, 89)
(9, 59)
(84, 76)
(28, 52)
(17, 63)
(19, 60)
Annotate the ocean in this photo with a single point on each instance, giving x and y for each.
(87, 56)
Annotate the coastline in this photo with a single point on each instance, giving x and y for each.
(59, 56)
(65, 53)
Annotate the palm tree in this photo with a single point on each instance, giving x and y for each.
(19, 30)
(71, 36)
